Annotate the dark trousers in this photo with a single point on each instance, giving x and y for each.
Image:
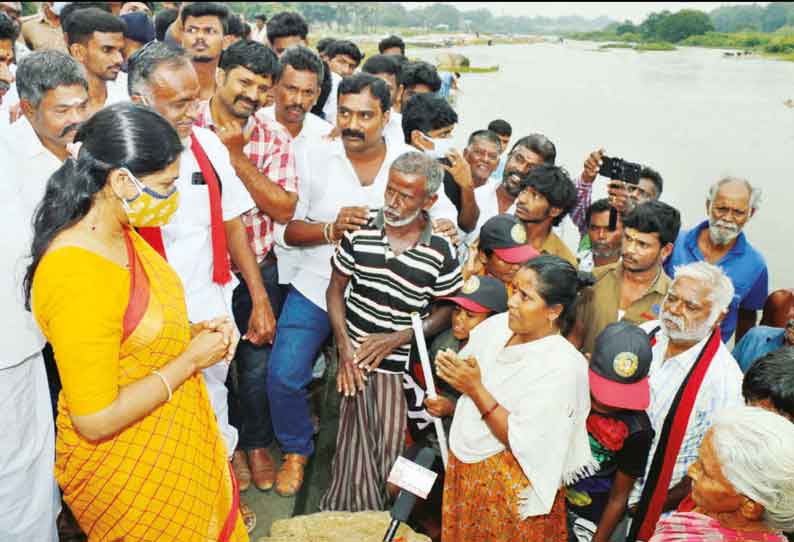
(249, 409)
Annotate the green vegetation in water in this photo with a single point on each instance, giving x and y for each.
(661, 46)
(469, 69)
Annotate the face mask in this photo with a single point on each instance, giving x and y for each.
(441, 147)
(57, 7)
(149, 209)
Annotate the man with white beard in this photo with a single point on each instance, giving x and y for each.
(692, 376)
(719, 240)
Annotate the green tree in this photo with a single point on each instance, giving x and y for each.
(736, 18)
(625, 27)
(649, 27)
(775, 16)
(681, 25)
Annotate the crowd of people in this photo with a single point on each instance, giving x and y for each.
(206, 215)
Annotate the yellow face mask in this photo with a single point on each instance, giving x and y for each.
(149, 209)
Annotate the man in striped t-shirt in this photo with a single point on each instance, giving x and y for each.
(394, 265)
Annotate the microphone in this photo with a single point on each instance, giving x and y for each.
(405, 500)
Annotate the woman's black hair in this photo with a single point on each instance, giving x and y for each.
(559, 283)
(122, 135)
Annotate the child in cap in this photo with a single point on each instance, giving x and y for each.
(500, 250)
(619, 429)
(479, 298)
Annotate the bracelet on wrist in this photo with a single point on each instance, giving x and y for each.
(165, 383)
(327, 233)
(490, 411)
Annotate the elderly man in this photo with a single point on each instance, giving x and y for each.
(208, 227)
(394, 265)
(692, 376)
(347, 176)
(633, 288)
(720, 240)
(54, 97)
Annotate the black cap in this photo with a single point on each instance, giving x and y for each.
(481, 294)
(507, 236)
(619, 367)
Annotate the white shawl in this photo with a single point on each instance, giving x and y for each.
(545, 387)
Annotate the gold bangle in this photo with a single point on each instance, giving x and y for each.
(327, 233)
(165, 383)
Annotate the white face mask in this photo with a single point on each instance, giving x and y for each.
(57, 7)
(441, 147)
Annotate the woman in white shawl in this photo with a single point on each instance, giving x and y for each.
(518, 435)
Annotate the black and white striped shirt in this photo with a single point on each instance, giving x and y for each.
(386, 288)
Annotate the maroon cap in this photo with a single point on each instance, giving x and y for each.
(517, 254)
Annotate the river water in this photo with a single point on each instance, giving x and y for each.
(692, 114)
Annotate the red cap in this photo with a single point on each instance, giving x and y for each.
(468, 304)
(518, 254)
(635, 396)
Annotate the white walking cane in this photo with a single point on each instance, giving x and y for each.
(419, 334)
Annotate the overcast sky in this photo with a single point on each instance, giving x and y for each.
(636, 11)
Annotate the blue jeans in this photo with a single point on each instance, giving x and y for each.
(302, 329)
(249, 409)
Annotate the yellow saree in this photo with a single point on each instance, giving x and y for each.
(166, 476)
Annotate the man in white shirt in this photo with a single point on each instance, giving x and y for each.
(96, 40)
(695, 304)
(346, 177)
(163, 78)
(296, 92)
(54, 101)
(387, 67)
(259, 32)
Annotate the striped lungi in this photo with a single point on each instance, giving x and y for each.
(371, 436)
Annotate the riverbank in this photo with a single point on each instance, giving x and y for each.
(771, 45)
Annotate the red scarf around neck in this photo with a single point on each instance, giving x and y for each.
(221, 272)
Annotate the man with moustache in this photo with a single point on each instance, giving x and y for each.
(347, 177)
(96, 40)
(632, 289)
(204, 24)
(604, 246)
(54, 101)
(53, 95)
(207, 229)
(730, 205)
(296, 91)
(547, 196)
(391, 267)
(692, 376)
(262, 157)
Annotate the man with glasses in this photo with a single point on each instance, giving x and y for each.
(719, 240)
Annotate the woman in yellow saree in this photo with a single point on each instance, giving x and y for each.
(138, 454)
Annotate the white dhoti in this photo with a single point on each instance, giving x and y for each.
(29, 497)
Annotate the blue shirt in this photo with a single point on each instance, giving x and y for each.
(446, 85)
(757, 343)
(744, 265)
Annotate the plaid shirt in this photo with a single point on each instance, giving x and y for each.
(721, 388)
(270, 150)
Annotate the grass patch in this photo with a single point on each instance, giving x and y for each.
(661, 46)
(469, 69)
(616, 46)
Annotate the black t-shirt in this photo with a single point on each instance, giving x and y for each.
(588, 498)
